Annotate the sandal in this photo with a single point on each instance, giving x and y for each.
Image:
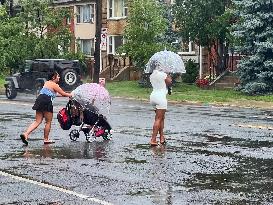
(49, 142)
(23, 138)
(164, 142)
(152, 144)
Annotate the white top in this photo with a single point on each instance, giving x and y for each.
(157, 79)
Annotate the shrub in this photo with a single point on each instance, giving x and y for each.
(255, 88)
(192, 71)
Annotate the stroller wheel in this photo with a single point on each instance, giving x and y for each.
(107, 136)
(74, 135)
(87, 137)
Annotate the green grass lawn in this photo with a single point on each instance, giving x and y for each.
(128, 89)
(2, 81)
(187, 93)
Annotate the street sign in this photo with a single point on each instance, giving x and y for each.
(103, 44)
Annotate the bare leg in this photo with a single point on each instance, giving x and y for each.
(162, 138)
(157, 124)
(48, 119)
(35, 124)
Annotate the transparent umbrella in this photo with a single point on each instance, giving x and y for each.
(93, 94)
(166, 61)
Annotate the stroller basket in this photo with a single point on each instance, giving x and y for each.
(90, 122)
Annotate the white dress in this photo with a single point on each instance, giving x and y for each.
(158, 96)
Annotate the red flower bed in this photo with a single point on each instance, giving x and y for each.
(202, 83)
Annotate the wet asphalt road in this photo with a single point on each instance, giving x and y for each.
(214, 155)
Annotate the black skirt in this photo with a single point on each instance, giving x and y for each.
(43, 103)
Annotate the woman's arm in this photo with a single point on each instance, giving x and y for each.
(59, 90)
(168, 80)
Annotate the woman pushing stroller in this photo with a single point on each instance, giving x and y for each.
(44, 108)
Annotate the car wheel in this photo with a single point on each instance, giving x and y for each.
(69, 78)
(38, 87)
(10, 91)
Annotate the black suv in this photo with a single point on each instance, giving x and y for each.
(35, 74)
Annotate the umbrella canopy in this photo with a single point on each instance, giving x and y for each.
(93, 94)
(166, 61)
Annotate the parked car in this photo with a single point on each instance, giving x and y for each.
(34, 73)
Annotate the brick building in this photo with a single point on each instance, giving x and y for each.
(114, 15)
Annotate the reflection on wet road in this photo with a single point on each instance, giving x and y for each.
(214, 155)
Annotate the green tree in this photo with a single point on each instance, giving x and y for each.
(37, 31)
(254, 35)
(45, 28)
(144, 31)
(206, 23)
(11, 40)
(171, 36)
(192, 71)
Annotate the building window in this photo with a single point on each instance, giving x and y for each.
(117, 8)
(87, 46)
(85, 13)
(113, 43)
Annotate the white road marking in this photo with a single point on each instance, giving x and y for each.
(82, 196)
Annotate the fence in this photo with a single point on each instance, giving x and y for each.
(231, 65)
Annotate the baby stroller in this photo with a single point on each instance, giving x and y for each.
(90, 121)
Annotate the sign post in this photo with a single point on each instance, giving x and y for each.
(97, 53)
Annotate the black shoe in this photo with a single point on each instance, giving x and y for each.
(23, 138)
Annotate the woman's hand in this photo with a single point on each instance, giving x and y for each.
(168, 80)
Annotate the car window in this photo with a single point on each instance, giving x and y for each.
(44, 67)
(40, 67)
(35, 66)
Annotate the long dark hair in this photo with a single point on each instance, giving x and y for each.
(52, 75)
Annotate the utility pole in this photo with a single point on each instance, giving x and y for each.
(97, 40)
(10, 5)
(11, 13)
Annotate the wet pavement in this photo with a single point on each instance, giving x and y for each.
(214, 155)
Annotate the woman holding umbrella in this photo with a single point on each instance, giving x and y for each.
(158, 99)
(160, 65)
